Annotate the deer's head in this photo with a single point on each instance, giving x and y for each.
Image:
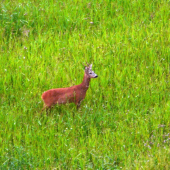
(89, 72)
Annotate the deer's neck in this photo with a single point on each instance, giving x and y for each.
(86, 82)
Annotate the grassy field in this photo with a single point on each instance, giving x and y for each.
(124, 121)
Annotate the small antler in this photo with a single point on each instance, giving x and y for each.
(87, 65)
(83, 64)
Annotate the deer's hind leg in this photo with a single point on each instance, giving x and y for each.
(46, 108)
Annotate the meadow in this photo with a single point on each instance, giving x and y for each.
(124, 121)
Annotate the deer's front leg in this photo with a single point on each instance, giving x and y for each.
(78, 104)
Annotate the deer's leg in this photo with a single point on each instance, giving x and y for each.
(46, 108)
(43, 108)
(78, 104)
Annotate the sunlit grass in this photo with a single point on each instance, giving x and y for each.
(123, 123)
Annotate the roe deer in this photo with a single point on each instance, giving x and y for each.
(74, 94)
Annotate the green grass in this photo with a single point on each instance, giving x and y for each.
(123, 123)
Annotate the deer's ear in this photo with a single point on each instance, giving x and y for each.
(90, 66)
(86, 70)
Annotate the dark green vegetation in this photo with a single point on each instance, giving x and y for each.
(124, 121)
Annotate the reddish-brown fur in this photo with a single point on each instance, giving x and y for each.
(74, 94)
